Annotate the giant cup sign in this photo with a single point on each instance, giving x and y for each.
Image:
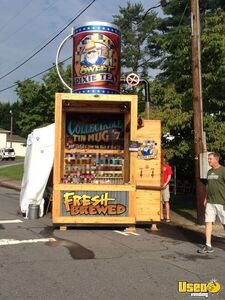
(96, 58)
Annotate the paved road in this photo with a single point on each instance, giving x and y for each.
(7, 163)
(41, 262)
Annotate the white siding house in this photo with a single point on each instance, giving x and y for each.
(18, 142)
(3, 138)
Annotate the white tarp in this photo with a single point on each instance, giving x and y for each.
(38, 164)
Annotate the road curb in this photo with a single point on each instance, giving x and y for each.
(10, 185)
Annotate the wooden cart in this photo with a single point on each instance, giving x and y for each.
(102, 171)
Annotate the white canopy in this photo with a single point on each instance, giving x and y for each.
(38, 164)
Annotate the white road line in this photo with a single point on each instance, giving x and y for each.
(121, 232)
(126, 233)
(6, 242)
(10, 221)
(134, 233)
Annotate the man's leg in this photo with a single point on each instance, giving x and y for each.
(167, 206)
(162, 215)
(210, 215)
(208, 233)
(221, 213)
(162, 204)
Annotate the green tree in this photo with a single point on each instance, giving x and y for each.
(213, 65)
(165, 44)
(37, 100)
(138, 53)
(33, 106)
(5, 115)
(137, 28)
(176, 69)
(15, 108)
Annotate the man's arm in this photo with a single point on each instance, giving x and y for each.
(167, 182)
(206, 196)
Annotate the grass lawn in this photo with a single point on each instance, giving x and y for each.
(185, 205)
(191, 212)
(12, 172)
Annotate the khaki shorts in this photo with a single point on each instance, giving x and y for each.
(165, 194)
(213, 210)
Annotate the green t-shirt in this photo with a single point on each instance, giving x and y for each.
(216, 185)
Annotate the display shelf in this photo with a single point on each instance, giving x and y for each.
(93, 167)
(91, 151)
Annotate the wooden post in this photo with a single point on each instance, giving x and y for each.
(197, 107)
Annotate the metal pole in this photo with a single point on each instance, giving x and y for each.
(11, 127)
(197, 108)
(148, 109)
(175, 180)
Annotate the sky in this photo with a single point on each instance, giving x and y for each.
(27, 25)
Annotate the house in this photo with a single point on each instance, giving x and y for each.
(18, 142)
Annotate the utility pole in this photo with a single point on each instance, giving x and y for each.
(197, 108)
(11, 127)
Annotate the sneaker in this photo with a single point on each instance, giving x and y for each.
(206, 249)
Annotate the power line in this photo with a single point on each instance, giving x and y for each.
(181, 19)
(148, 10)
(38, 74)
(16, 15)
(30, 21)
(29, 58)
(42, 72)
(161, 4)
(33, 19)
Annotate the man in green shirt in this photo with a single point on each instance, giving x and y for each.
(215, 199)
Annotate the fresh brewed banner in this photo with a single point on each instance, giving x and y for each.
(94, 204)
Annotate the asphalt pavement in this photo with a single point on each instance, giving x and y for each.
(176, 218)
(39, 261)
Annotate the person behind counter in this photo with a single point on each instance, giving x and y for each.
(165, 192)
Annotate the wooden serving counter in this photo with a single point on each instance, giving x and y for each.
(104, 164)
